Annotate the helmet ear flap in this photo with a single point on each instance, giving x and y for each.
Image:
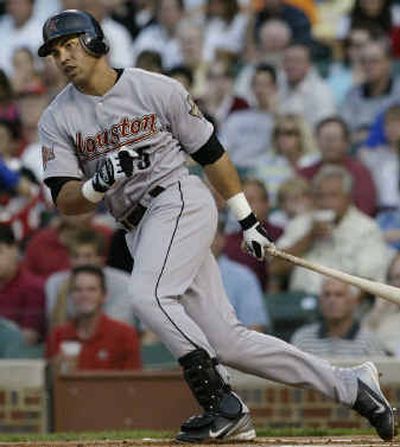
(94, 46)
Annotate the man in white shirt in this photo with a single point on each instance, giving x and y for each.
(162, 37)
(348, 240)
(18, 28)
(302, 91)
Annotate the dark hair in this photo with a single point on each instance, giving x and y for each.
(358, 18)
(7, 235)
(92, 270)
(5, 84)
(336, 120)
(182, 70)
(88, 237)
(149, 60)
(258, 183)
(266, 68)
(231, 9)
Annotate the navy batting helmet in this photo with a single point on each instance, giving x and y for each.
(74, 22)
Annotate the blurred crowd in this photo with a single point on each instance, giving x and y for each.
(304, 95)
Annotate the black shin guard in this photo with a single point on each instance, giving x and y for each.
(207, 385)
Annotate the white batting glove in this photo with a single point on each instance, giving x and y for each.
(256, 240)
(116, 166)
(255, 236)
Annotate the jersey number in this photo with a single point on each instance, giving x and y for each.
(144, 159)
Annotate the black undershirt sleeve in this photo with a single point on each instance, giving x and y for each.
(210, 152)
(56, 183)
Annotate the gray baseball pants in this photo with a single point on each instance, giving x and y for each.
(178, 294)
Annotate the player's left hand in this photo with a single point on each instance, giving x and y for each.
(256, 240)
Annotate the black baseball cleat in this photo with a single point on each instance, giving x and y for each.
(372, 404)
(220, 425)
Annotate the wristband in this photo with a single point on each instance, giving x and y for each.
(248, 222)
(90, 193)
(239, 206)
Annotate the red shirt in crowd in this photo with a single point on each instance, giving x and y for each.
(364, 192)
(115, 345)
(233, 249)
(45, 254)
(22, 301)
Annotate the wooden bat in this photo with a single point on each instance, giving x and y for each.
(384, 291)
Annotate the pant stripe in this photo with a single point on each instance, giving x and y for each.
(163, 268)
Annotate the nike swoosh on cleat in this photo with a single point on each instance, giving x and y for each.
(215, 434)
(381, 407)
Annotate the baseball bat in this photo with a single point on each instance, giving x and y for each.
(384, 291)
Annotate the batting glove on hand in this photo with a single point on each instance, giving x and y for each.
(116, 166)
(255, 238)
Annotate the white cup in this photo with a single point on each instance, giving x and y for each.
(327, 216)
(71, 348)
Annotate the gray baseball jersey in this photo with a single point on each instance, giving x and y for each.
(176, 286)
(148, 112)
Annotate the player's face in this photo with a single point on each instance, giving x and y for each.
(87, 294)
(72, 60)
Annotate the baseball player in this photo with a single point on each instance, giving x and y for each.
(122, 136)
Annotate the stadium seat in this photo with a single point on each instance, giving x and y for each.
(157, 356)
(290, 310)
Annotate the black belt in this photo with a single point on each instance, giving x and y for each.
(135, 216)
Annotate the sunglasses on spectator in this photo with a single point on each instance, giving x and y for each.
(288, 132)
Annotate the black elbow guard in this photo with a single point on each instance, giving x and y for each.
(209, 152)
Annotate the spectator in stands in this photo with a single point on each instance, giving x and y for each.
(246, 134)
(242, 287)
(21, 293)
(333, 140)
(293, 16)
(377, 15)
(55, 238)
(341, 236)
(380, 88)
(293, 199)
(149, 60)
(302, 90)
(220, 100)
(384, 318)
(272, 39)
(19, 193)
(18, 28)
(191, 37)
(347, 73)
(120, 41)
(225, 28)
(105, 343)
(134, 15)
(8, 107)
(257, 195)
(339, 334)
(162, 36)
(88, 247)
(293, 147)
(383, 163)
(26, 78)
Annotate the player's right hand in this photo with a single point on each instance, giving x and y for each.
(115, 166)
(256, 240)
